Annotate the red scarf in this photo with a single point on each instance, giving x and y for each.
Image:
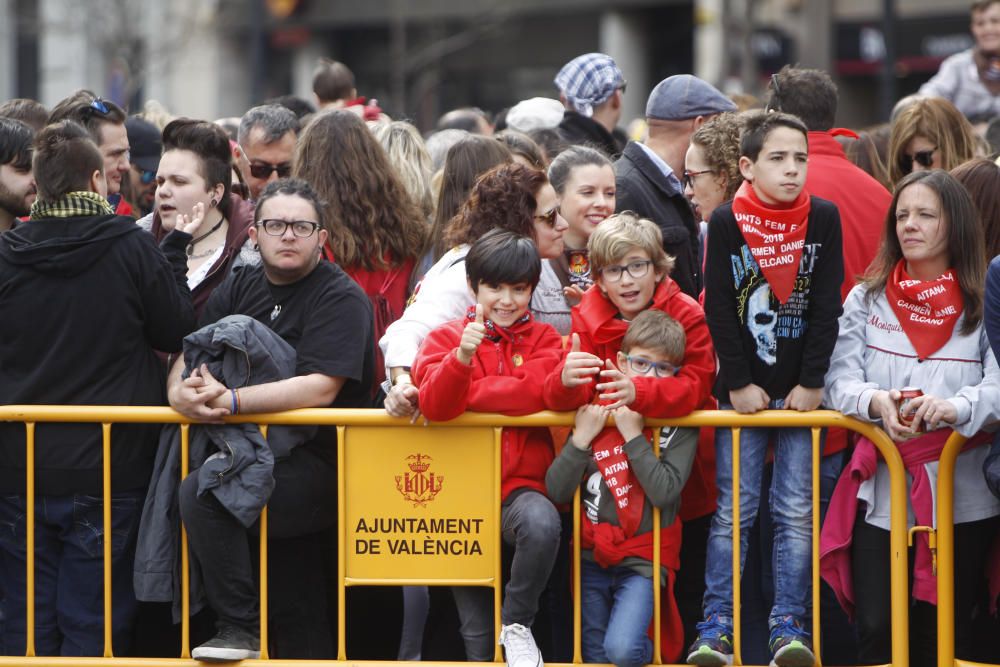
(926, 309)
(612, 461)
(775, 236)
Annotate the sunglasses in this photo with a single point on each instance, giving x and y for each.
(775, 103)
(263, 170)
(924, 158)
(549, 218)
(98, 105)
(146, 177)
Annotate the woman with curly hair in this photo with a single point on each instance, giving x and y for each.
(509, 196)
(929, 134)
(711, 165)
(376, 233)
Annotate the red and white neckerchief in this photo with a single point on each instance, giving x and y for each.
(926, 309)
(775, 236)
(610, 457)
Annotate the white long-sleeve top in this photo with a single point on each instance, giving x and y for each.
(873, 353)
(444, 295)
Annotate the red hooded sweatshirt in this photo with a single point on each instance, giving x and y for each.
(506, 376)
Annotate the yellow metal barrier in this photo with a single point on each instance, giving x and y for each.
(945, 530)
(347, 419)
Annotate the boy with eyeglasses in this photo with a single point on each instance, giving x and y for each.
(623, 479)
(773, 271)
(630, 270)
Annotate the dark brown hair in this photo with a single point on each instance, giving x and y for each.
(209, 142)
(502, 198)
(465, 162)
(82, 107)
(981, 178)
(965, 242)
(332, 81)
(372, 221)
(64, 159)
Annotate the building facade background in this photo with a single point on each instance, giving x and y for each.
(419, 58)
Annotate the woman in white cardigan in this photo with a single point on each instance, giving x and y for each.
(915, 321)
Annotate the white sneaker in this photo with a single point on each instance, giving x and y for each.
(519, 646)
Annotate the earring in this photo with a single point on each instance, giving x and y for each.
(213, 203)
(256, 246)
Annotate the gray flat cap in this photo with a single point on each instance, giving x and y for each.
(684, 96)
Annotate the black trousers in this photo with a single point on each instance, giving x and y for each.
(301, 513)
(870, 568)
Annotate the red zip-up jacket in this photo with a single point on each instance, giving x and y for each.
(505, 376)
(601, 331)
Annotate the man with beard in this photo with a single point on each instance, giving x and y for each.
(17, 185)
(145, 148)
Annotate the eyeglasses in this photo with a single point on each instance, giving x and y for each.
(643, 366)
(689, 176)
(263, 170)
(301, 228)
(549, 218)
(636, 269)
(924, 158)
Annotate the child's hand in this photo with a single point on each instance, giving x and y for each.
(573, 294)
(749, 399)
(472, 337)
(589, 422)
(579, 366)
(629, 422)
(617, 387)
(802, 399)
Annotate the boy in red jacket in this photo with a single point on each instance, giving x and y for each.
(631, 272)
(496, 359)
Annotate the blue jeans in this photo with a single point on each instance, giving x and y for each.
(616, 610)
(791, 514)
(69, 572)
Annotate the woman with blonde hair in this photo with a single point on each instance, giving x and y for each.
(930, 133)
(408, 154)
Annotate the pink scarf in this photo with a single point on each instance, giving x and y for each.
(836, 535)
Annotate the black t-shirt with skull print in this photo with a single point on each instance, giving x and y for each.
(757, 339)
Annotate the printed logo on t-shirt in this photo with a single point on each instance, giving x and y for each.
(759, 310)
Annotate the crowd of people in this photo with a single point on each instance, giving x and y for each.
(322, 254)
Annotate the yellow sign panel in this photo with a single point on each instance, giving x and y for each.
(421, 503)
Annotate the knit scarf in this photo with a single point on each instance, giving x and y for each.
(775, 236)
(72, 205)
(926, 309)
